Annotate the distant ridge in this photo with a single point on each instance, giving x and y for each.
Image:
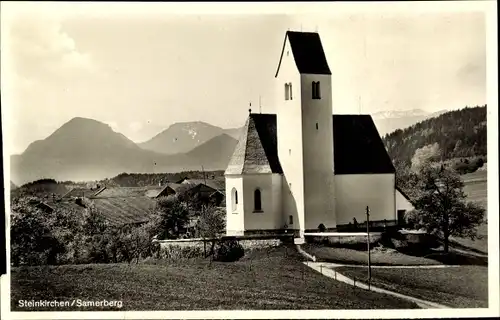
(85, 149)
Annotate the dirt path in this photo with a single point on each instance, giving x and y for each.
(432, 266)
(328, 269)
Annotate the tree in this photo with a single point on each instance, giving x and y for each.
(425, 155)
(211, 224)
(441, 207)
(171, 218)
(32, 239)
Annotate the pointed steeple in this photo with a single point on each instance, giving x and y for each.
(251, 155)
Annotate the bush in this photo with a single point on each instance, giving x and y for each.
(229, 251)
(175, 252)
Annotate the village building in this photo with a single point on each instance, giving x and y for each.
(304, 169)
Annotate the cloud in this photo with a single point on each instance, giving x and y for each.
(39, 46)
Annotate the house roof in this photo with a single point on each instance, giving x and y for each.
(214, 184)
(307, 52)
(79, 192)
(125, 192)
(257, 150)
(119, 211)
(358, 148)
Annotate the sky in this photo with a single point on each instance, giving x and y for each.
(143, 70)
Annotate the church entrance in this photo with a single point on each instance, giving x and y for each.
(401, 217)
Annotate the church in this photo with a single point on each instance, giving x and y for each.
(304, 169)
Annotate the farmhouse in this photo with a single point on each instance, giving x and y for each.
(304, 169)
(120, 206)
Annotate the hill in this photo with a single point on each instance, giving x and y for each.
(459, 134)
(215, 153)
(390, 121)
(149, 179)
(184, 137)
(85, 149)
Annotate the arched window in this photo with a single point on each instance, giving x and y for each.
(257, 201)
(290, 88)
(234, 197)
(316, 90)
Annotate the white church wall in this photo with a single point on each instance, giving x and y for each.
(268, 217)
(402, 203)
(317, 139)
(356, 191)
(234, 212)
(277, 180)
(289, 132)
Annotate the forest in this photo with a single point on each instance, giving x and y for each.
(460, 134)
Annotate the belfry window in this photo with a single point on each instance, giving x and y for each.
(234, 196)
(316, 90)
(288, 91)
(257, 201)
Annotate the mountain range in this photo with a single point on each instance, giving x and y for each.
(185, 136)
(85, 149)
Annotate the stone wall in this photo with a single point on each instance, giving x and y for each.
(344, 240)
(247, 244)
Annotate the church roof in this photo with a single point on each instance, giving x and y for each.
(257, 149)
(358, 148)
(307, 51)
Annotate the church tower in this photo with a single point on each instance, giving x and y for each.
(305, 133)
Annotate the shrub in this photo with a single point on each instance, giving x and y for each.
(229, 251)
(175, 252)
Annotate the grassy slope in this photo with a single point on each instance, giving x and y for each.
(350, 256)
(476, 187)
(476, 190)
(460, 287)
(265, 279)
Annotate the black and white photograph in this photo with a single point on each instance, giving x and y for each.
(250, 160)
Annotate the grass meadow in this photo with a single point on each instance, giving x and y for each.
(263, 279)
(457, 287)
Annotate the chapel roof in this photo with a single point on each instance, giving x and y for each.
(307, 52)
(257, 149)
(358, 148)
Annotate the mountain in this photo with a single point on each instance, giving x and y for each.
(235, 132)
(85, 149)
(185, 136)
(459, 134)
(390, 121)
(215, 153)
